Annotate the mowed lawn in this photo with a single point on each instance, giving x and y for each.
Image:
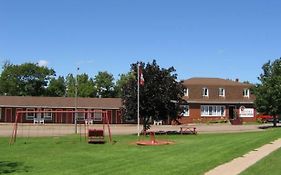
(68, 155)
(268, 165)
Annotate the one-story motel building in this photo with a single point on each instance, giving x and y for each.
(206, 99)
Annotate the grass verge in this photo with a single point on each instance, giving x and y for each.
(268, 165)
(191, 154)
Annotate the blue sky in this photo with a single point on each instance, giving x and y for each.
(200, 38)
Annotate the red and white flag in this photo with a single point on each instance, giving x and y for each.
(141, 79)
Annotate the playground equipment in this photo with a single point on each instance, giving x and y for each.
(96, 136)
(153, 141)
(51, 123)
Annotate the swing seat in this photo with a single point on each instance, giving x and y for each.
(96, 136)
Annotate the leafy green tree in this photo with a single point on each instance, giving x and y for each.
(56, 87)
(70, 85)
(268, 91)
(27, 79)
(104, 85)
(86, 86)
(122, 82)
(160, 96)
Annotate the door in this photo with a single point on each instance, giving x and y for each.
(20, 115)
(232, 112)
(69, 117)
(8, 115)
(59, 117)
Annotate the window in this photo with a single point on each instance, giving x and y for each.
(48, 115)
(212, 110)
(185, 91)
(246, 93)
(31, 114)
(89, 114)
(80, 116)
(185, 110)
(0, 113)
(205, 92)
(98, 116)
(221, 92)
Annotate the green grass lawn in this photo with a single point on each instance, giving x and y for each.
(67, 155)
(268, 165)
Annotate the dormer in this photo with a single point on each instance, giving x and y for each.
(205, 92)
(221, 92)
(246, 93)
(185, 92)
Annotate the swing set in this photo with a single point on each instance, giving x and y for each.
(92, 135)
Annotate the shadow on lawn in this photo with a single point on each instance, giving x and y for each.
(268, 127)
(12, 167)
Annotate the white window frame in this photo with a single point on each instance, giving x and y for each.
(221, 92)
(212, 110)
(98, 118)
(185, 91)
(32, 111)
(246, 93)
(48, 115)
(81, 115)
(205, 92)
(185, 112)
(90, 114)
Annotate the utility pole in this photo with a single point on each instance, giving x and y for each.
(76, 100)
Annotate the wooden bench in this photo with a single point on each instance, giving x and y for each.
(188, 129)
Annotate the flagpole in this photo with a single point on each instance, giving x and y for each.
(138, 113)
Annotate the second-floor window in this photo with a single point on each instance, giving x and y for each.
(205, 92)
(246, 93)
(185, 91)
(221, 92)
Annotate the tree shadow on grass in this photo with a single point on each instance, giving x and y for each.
(269, 127)
(7, 167)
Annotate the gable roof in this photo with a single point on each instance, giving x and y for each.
(60, 102)
(233, 91)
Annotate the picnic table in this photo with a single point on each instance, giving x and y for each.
(188, 129)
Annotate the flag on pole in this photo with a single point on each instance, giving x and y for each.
(141, 79)
(140, 83)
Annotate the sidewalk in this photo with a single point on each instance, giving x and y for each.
(240, 164)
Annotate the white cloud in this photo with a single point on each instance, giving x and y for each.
(43, 63)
